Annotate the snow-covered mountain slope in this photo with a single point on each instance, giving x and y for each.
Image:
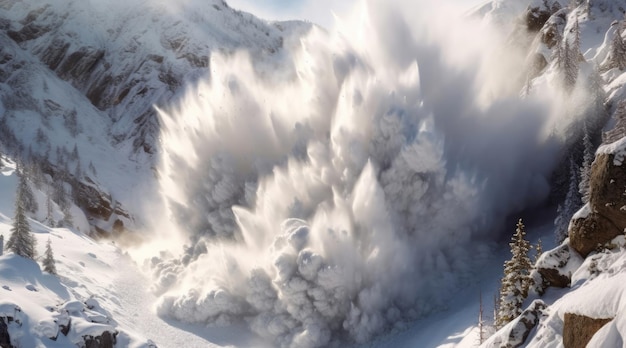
(126, 56)
(88, 75)
(99, 289)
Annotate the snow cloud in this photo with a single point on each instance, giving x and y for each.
(355, 190)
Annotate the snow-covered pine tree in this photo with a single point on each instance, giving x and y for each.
(49, 216)
(568, 208)
(1, 245)
(585, 168)
(496, 310)
(68, 219)
(49, 264)
(576, 43)
(21, 241)
(557, 53)
(516, 280)
(617, 55)
(619, 130)
(481, 320)
(24, 191)
(570, 68)
(538, 250)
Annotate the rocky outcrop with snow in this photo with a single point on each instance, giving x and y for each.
(556, 266)
(88, 75)
(124, 64)
(605, 216)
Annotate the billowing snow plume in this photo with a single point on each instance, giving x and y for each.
(355, 190)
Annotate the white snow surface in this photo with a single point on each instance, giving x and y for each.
(617, 149)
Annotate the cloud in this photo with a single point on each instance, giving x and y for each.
(356, 194)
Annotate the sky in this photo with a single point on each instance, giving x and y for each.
(316, 11)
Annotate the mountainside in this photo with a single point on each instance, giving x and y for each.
(88, 74)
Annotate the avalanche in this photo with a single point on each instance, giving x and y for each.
(358, 189)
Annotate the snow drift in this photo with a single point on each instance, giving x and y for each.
(355, 188)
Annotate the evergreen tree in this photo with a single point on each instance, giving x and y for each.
(49, 213)
(26, 194)
(496, 310)
(538, 251)
(516, 280)
(21, 241)
(1, 245)
(569, 207)
(68, 219)
(617, 55)
(557, 54)
(71, 122)
(585, 169)
(49, 264)
(619, 130)
(92, 169)
(570, 69)
(74, 154)
(481, 321)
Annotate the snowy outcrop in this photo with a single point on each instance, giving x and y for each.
(556, 267)
(605, 217)
(515, 333)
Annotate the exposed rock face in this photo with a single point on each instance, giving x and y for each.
(579, 329)
(536, 17)
(95, 203)
(121, 74)
(5, 339)
(106, 340)
(607, 204)
(590, 233)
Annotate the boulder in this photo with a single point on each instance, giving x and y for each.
(590, 233)
(536, 16)
(5, 339)
(524, 324)
(105, 340)
(557, 265)
(607, 186)
(579, 329)
(604, 217)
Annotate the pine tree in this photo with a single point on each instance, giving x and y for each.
(557, 55)
(68, 219)
(585, 169)
(496, 310)
(1, 245)
(49, 213)
(28, 198)
(21, 241)
(538, 250)
(619, 130)
(516, 280)
(481, 320)
(570, 66)
(617, 55)
(569, 207)
(49, 264)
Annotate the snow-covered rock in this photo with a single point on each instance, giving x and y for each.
(557, 266)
